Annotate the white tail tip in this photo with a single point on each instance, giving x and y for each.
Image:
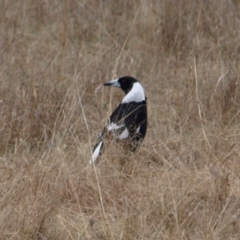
(96, 153)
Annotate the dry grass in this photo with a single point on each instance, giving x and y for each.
(183, 183)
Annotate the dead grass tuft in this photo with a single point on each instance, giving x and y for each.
(183, 183)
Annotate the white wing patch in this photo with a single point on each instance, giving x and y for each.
(113, 126)
(124, 134)
(135, 95)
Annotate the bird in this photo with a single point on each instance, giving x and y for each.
(129, 120)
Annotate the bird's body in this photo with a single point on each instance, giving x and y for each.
(129, 120)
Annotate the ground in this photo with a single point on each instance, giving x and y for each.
(183, 182)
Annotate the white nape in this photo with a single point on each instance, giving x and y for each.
(135, 95)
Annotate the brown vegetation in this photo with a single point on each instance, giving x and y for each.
(183, 183)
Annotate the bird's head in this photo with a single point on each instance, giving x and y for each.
(132, 88)
(125, 83)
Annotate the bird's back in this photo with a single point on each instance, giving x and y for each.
(132, 115)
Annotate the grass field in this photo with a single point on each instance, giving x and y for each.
(183, 183)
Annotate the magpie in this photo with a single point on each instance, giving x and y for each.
(129, 120)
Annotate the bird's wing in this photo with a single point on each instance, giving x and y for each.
(141, 119)
(137, 121)
(119, 114)
(130, 118)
